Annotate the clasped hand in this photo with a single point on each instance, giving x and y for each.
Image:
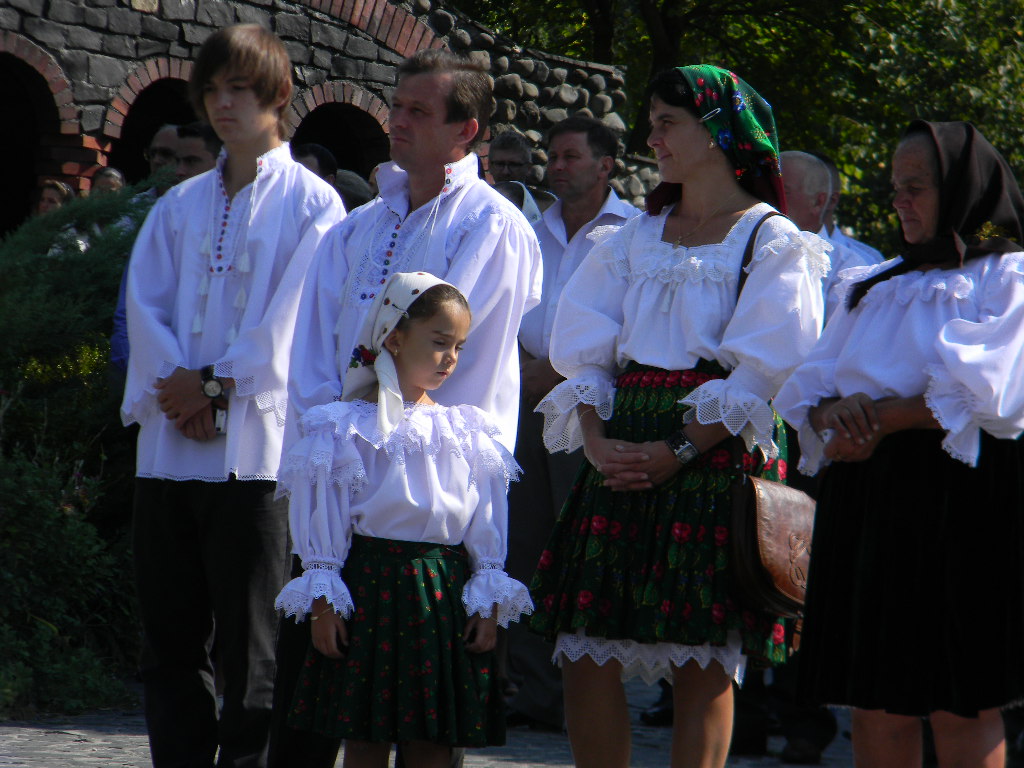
(630, 466)
(856, 427)
(181, 398)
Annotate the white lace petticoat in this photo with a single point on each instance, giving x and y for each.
(651, 661)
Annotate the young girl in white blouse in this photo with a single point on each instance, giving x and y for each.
(398, 512)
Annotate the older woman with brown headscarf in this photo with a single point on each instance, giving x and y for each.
(663, 363)
(915, 394)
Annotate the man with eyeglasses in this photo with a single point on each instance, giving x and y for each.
(509, 162)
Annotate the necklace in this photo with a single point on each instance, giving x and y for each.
(679, 240)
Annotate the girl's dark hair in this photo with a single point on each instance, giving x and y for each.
(430, 302)
(670, 86)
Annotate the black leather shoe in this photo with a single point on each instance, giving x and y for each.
(659, 715)
(801, 752)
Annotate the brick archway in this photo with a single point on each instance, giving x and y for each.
(387, 23)
(144, 75)
(51, 72)
(336, 92)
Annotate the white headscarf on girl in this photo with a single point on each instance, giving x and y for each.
(372, 364)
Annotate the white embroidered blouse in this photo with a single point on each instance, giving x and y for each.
(953, 335)
(636, 297)
(217, 281)
(440, 477)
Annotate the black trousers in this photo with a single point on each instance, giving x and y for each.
(209, 560)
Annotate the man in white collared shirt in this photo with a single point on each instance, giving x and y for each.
(581, 159)
(212, 291)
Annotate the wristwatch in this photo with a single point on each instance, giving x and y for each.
(684, 450)
(212, 387)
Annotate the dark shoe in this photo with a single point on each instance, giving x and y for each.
(659, 715)
(801, 752)
(516, 719)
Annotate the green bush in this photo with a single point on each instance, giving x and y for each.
(68, 636)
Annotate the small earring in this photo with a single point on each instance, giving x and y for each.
(711, 144)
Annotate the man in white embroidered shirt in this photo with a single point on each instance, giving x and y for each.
(581, 159)
(213, 287)
(433, 214)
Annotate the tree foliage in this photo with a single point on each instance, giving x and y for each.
(844, 78)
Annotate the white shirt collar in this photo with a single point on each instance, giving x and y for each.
(393, 181)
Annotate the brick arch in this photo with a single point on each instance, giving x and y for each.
(47, 66)
(387, 23)
(336, 92)
(144, 75)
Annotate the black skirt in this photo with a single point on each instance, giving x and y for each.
(915, 598)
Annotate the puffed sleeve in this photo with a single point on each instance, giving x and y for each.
(151, 285)
(812, 382)
(258, 358)
(496, 264)
(774, 326)
(491, 469)
(584, 338)
(979, 383)
(319, 474)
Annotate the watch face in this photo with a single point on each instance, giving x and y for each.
(212, 388)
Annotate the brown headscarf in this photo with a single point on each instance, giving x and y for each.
(981, 209)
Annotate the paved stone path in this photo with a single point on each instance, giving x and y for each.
(117, 739)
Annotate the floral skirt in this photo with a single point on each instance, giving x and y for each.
(653, 566)
(406, 675)
(915, 596)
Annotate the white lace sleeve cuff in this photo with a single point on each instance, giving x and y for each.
(490, 585)
(812, 450)
(561, 422)
(320, 579)
(275, 401)
(953, 406)
(742, 413)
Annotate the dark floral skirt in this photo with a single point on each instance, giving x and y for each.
(407, 675)
(652, 566)
(915, 597)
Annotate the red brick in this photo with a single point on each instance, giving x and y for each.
(68, 112)
(337, 6)
(437, 42)
(90, 142)
(115, 118)
(111, 130)
(406, 34)
(153, 70)
(134, 82)
(309, 101)
(186, 70)
(70, 126)
(63, 97)
(119, 105)
(380, 20)
(370, 9)
(163, 67)
(352, 17)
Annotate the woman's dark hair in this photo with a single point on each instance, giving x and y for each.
(670, 86)
(429, 303)
(64, 191)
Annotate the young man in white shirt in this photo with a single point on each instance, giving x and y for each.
(581, 160)
(213, 287)
(436, 215)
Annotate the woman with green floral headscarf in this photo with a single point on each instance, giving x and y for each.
(665, 360)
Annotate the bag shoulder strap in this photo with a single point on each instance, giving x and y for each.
(748, 253)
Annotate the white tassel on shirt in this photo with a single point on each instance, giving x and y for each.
(666, 303)
(204, 285)
(244, 265)
(205, 247)
(232, 335)
(240, 299)
(197, 322)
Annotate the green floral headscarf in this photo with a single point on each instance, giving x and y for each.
(739, 121)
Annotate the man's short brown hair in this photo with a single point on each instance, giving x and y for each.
(471, 96)
(251, 51)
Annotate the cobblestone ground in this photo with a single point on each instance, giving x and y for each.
(115, 739)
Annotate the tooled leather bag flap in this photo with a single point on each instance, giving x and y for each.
(785, 522)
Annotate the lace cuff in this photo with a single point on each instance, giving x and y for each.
(497, 463)
(741, 412)
(269, 401)
(561, 422)
(953, 406)
(320, 579)
(812, 450)
(491, 585)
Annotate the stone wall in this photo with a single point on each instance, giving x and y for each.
(95, 57)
